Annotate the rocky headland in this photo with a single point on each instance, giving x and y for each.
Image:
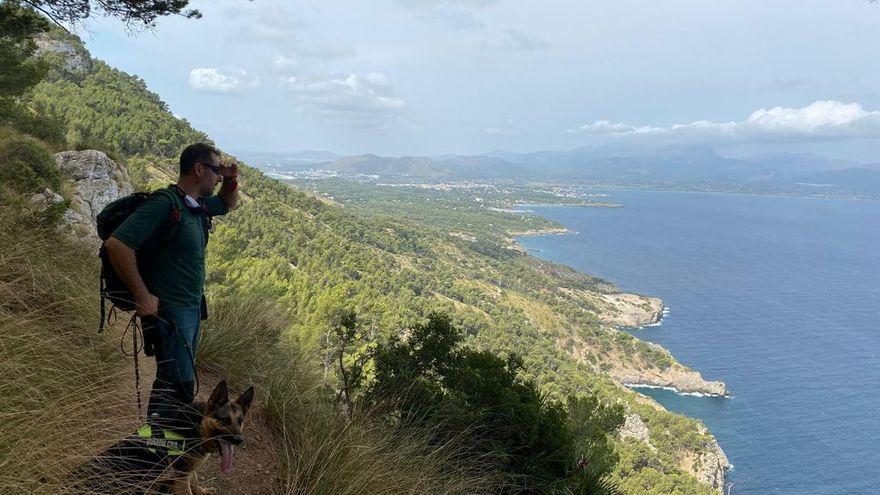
(676, 377)
(709, 466)
(622, 310)
(537, 232)
(627, 310)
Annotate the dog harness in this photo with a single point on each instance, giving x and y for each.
(172, 442)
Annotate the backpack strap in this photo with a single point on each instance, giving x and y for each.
(166, 230)
(201, 211)
(102, 289)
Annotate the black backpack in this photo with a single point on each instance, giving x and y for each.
(111, 217)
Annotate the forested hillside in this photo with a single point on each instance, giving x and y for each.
(315, 261)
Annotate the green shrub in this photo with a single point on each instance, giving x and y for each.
(431, 382)
(26, 165)
(323, 449)
(28, 121)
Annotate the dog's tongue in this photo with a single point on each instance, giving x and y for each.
(226, 457)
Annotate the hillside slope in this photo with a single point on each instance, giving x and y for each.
(70, 393)
(312, 259)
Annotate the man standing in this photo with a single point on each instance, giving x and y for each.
(168, 286)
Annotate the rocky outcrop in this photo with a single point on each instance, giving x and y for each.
(676, 377)
(628, 310)
(634, 427)
(619, 309)
(43, 200)
(711, 465)
(540, 232)
(97, 180)
(76, 62)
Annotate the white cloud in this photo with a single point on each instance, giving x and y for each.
(452, 14)
(274, 24)
(517, 40)
(227, 80)
(298, 57)
(285, 32)
(348, 99)
(608, 128)
(430, 4)
(822, 120)
(282, 63)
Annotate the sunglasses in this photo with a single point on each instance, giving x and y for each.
(214, 169)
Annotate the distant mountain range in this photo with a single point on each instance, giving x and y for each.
(665, 167)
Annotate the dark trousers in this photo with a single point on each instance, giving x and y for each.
(175, 350)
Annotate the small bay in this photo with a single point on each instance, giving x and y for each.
(778, 297)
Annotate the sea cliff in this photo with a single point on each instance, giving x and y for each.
(622, 310)
(628, 310)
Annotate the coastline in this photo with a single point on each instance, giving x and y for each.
(634, 311)
(636, 386)
(592, 204)
(538, 232)
(723, 191)
(741, 301)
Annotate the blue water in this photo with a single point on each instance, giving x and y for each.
(778, 297)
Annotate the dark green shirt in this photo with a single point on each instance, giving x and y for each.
(175, 271)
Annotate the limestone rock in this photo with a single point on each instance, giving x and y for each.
(680, 378)
(630, 310)
(634, 427)
(709, 464)
(45, 199)
(712, 465)
(76, 60)
(97, 181)
(619, 309)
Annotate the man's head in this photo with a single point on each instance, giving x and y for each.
(200, 164)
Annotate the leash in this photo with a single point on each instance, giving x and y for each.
(135, 350)
(136, 347)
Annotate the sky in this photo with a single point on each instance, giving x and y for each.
(429, 77)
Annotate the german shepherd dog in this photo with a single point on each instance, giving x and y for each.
(162, 462)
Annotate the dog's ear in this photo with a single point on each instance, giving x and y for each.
(219, 396)
(244, 400)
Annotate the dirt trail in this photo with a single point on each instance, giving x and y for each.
(256, 468)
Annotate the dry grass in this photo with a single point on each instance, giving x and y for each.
(325, 451)
(60, 403)
(66, 391)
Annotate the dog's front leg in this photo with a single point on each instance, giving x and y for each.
(196, 489)
(181, 485)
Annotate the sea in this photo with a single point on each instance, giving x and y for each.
(777, 296)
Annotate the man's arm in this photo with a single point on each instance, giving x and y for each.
(124, 261)
(229, 190)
